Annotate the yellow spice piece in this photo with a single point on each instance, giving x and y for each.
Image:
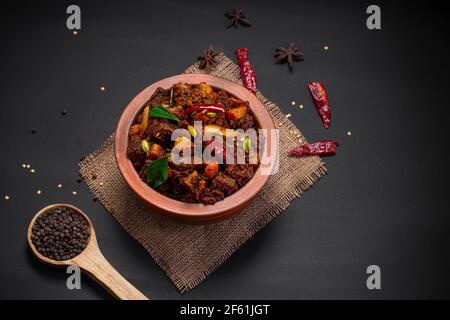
(192, 131)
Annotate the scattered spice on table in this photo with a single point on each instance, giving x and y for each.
(293, 103)
(102, 88)
(349, 133)
(64, 112)
(247, 72)
(60, 234)
(74, 193)
(289, 55)
(237, 16)
(38, 192)
(32, 170)
(320, 99)
(24, 165)
(33, 132)
(208, 60)
(317, 148)
(59, 185)
(7, 197)
(325, 47)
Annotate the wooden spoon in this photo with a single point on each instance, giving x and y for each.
(91, 261)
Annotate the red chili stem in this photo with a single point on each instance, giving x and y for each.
(209, 107)
(248, 74)
(316, 148)
(320, 99)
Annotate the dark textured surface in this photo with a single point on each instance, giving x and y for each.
(383, 201)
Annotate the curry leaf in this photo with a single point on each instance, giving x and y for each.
(158, 172)
(159, 111)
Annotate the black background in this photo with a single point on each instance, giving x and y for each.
(383, 202)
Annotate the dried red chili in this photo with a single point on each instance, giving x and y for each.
(316, 148)
(201, 107)
(320, 99)
(247, 73)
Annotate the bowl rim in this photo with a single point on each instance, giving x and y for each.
(175, 208)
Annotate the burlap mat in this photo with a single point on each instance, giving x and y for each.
(189, 253)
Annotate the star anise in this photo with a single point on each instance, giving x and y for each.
(288, 55)
(208, 59)
(237, 17)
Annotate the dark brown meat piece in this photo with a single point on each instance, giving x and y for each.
(160, 96)
(220, 120)
(174, 180)
(134, 151)
(143, 171)
(244, 123)
(212, 195)
(241, 173)
(160, 130)
(198, 97)
(181, 94)
(177, 111)
(225, 183)
(191, 181)
(223, 98)
(207, 195)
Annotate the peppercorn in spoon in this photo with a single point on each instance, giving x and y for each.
(62, 235)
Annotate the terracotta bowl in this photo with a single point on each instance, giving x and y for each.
(189, 212)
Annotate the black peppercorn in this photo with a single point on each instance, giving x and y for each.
(60, 233)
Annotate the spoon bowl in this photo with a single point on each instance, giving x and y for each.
(90, 260)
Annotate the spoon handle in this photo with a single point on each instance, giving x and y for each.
(99, 269)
